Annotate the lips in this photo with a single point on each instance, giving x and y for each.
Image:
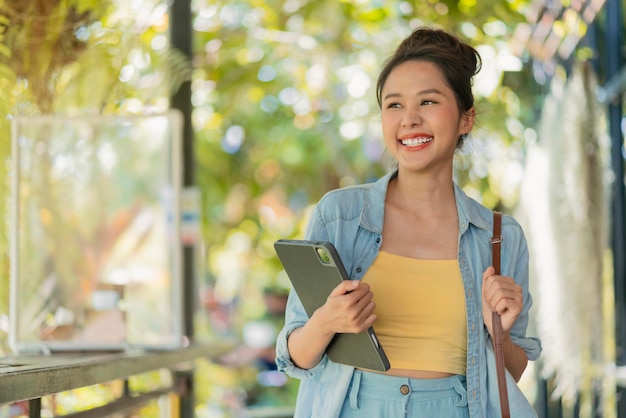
(416, 141)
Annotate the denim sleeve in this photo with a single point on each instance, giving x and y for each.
(515, 256)
(296, 316)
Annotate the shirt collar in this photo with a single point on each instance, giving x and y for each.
(469, 211)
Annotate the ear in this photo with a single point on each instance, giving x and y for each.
(467, 121)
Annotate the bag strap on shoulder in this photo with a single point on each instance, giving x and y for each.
(496, 240)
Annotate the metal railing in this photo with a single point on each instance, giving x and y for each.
(29, 378)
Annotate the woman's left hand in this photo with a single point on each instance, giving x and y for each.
(503, 295)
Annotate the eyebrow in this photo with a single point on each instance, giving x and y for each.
(420, 93)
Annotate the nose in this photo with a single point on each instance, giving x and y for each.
(411, 118)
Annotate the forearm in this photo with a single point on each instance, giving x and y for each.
(515, 358)
(307, 344)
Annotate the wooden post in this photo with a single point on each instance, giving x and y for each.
(34, 408)
(181, 39)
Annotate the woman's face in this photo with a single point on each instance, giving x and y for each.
(420, 118)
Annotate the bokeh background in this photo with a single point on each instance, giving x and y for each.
(284, 109)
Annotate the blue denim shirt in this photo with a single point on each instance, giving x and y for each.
(352, 219)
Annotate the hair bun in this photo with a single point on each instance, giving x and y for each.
(458, 61)
(424, 41)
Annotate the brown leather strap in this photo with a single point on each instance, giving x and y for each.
(496, 240)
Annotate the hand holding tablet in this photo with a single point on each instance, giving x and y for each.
(315, 269)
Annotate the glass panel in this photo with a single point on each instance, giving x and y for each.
(96, 247)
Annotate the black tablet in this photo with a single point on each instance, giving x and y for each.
(315, 269)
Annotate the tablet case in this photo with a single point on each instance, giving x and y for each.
(315, 269)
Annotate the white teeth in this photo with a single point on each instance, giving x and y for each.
(414, 142)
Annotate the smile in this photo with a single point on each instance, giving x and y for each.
(415, 142)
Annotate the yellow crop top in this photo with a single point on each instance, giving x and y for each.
(420, 305)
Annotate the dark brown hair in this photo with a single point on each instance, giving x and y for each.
(458, 62)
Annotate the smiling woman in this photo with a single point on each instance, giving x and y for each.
(411, 244)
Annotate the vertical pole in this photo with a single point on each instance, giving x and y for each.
(126, 388)
(185, 393)
(34, 408)
(614, 63)
(615, 60)
(181, 39)
(541, 401)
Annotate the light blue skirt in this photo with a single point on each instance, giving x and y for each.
(376, 395)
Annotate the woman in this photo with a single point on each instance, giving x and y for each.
(417, 251)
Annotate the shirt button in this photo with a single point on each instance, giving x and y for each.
(377, 240)
(404, 389)
(358, 269)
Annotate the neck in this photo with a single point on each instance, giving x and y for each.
(425, 195)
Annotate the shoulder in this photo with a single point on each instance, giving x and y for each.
(345, 203)
(341, 213)
(359, 192)
(471, 212)
(349, 202)
(482, 217)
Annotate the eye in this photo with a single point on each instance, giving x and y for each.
(427, 102)
(394, 105)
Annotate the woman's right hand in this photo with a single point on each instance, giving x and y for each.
(348, 309)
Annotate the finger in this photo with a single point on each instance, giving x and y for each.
(489, 272)
(506, 307)
(352, 298)
(493, 283)
(502, 287)
(367, 317)
(344, 287)
(501, 306)
(355, 318)
(507, 300)
(369, 321)
(359, 298)
(488, 279)
(366, 306)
